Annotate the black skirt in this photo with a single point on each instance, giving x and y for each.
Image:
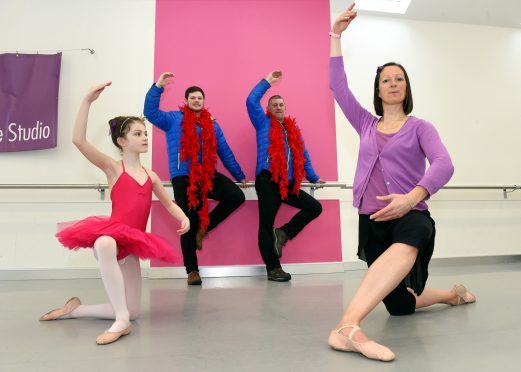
(416, 229)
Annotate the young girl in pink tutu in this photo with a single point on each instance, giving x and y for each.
(120, 240)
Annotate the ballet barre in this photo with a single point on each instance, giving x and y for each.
(101, 188)
(17, 52)
(55, 186)
(507, 189)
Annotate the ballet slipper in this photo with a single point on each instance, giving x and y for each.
(369, 349)
(66, 309)
(464, 296)
(110, 337)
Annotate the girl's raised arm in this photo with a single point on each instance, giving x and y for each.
(79, 134)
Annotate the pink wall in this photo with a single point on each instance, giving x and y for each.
(234, 242)
(226, 47)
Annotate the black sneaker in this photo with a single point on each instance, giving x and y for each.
(279, 275)
(280, 238)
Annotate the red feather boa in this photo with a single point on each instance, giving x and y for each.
(200, 177)
(277, 153)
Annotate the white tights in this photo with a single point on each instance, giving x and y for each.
(122, 282)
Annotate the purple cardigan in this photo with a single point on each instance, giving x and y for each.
(403, 158)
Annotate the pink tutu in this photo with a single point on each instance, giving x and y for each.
(130, 241)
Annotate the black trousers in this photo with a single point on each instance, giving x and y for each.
(269, 203)
(416, 229)
(229, 196)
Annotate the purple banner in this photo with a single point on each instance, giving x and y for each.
(29, 86)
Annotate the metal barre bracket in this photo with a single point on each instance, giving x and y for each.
(101, 189)
(512, 189)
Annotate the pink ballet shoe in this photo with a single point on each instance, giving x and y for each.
(66, 309)
(110, 337)
(464, 296)
(369, 349)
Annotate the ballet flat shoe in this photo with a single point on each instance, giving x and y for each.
(464, 296)
(110, 337)
(369, 349)
(66, 309)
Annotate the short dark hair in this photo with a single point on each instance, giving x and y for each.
(120, 126)
(377, 101)
(276, 96)
(192, 90)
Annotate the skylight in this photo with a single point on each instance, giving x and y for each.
(385, 6)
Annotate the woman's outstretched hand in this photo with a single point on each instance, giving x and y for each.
(95, 91)
(344, 20)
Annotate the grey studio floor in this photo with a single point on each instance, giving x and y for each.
(250, 324)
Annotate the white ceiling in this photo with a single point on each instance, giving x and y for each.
(499, 13)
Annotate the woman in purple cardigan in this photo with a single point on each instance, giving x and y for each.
(396, 231)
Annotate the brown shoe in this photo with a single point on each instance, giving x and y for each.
(201, 234)
(194, 278)
(66, 309)
(110, 337)
(280, 238)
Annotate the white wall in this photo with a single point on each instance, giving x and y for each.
(122, 34)
(465, 80)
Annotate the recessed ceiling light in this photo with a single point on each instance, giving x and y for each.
(385, 6)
